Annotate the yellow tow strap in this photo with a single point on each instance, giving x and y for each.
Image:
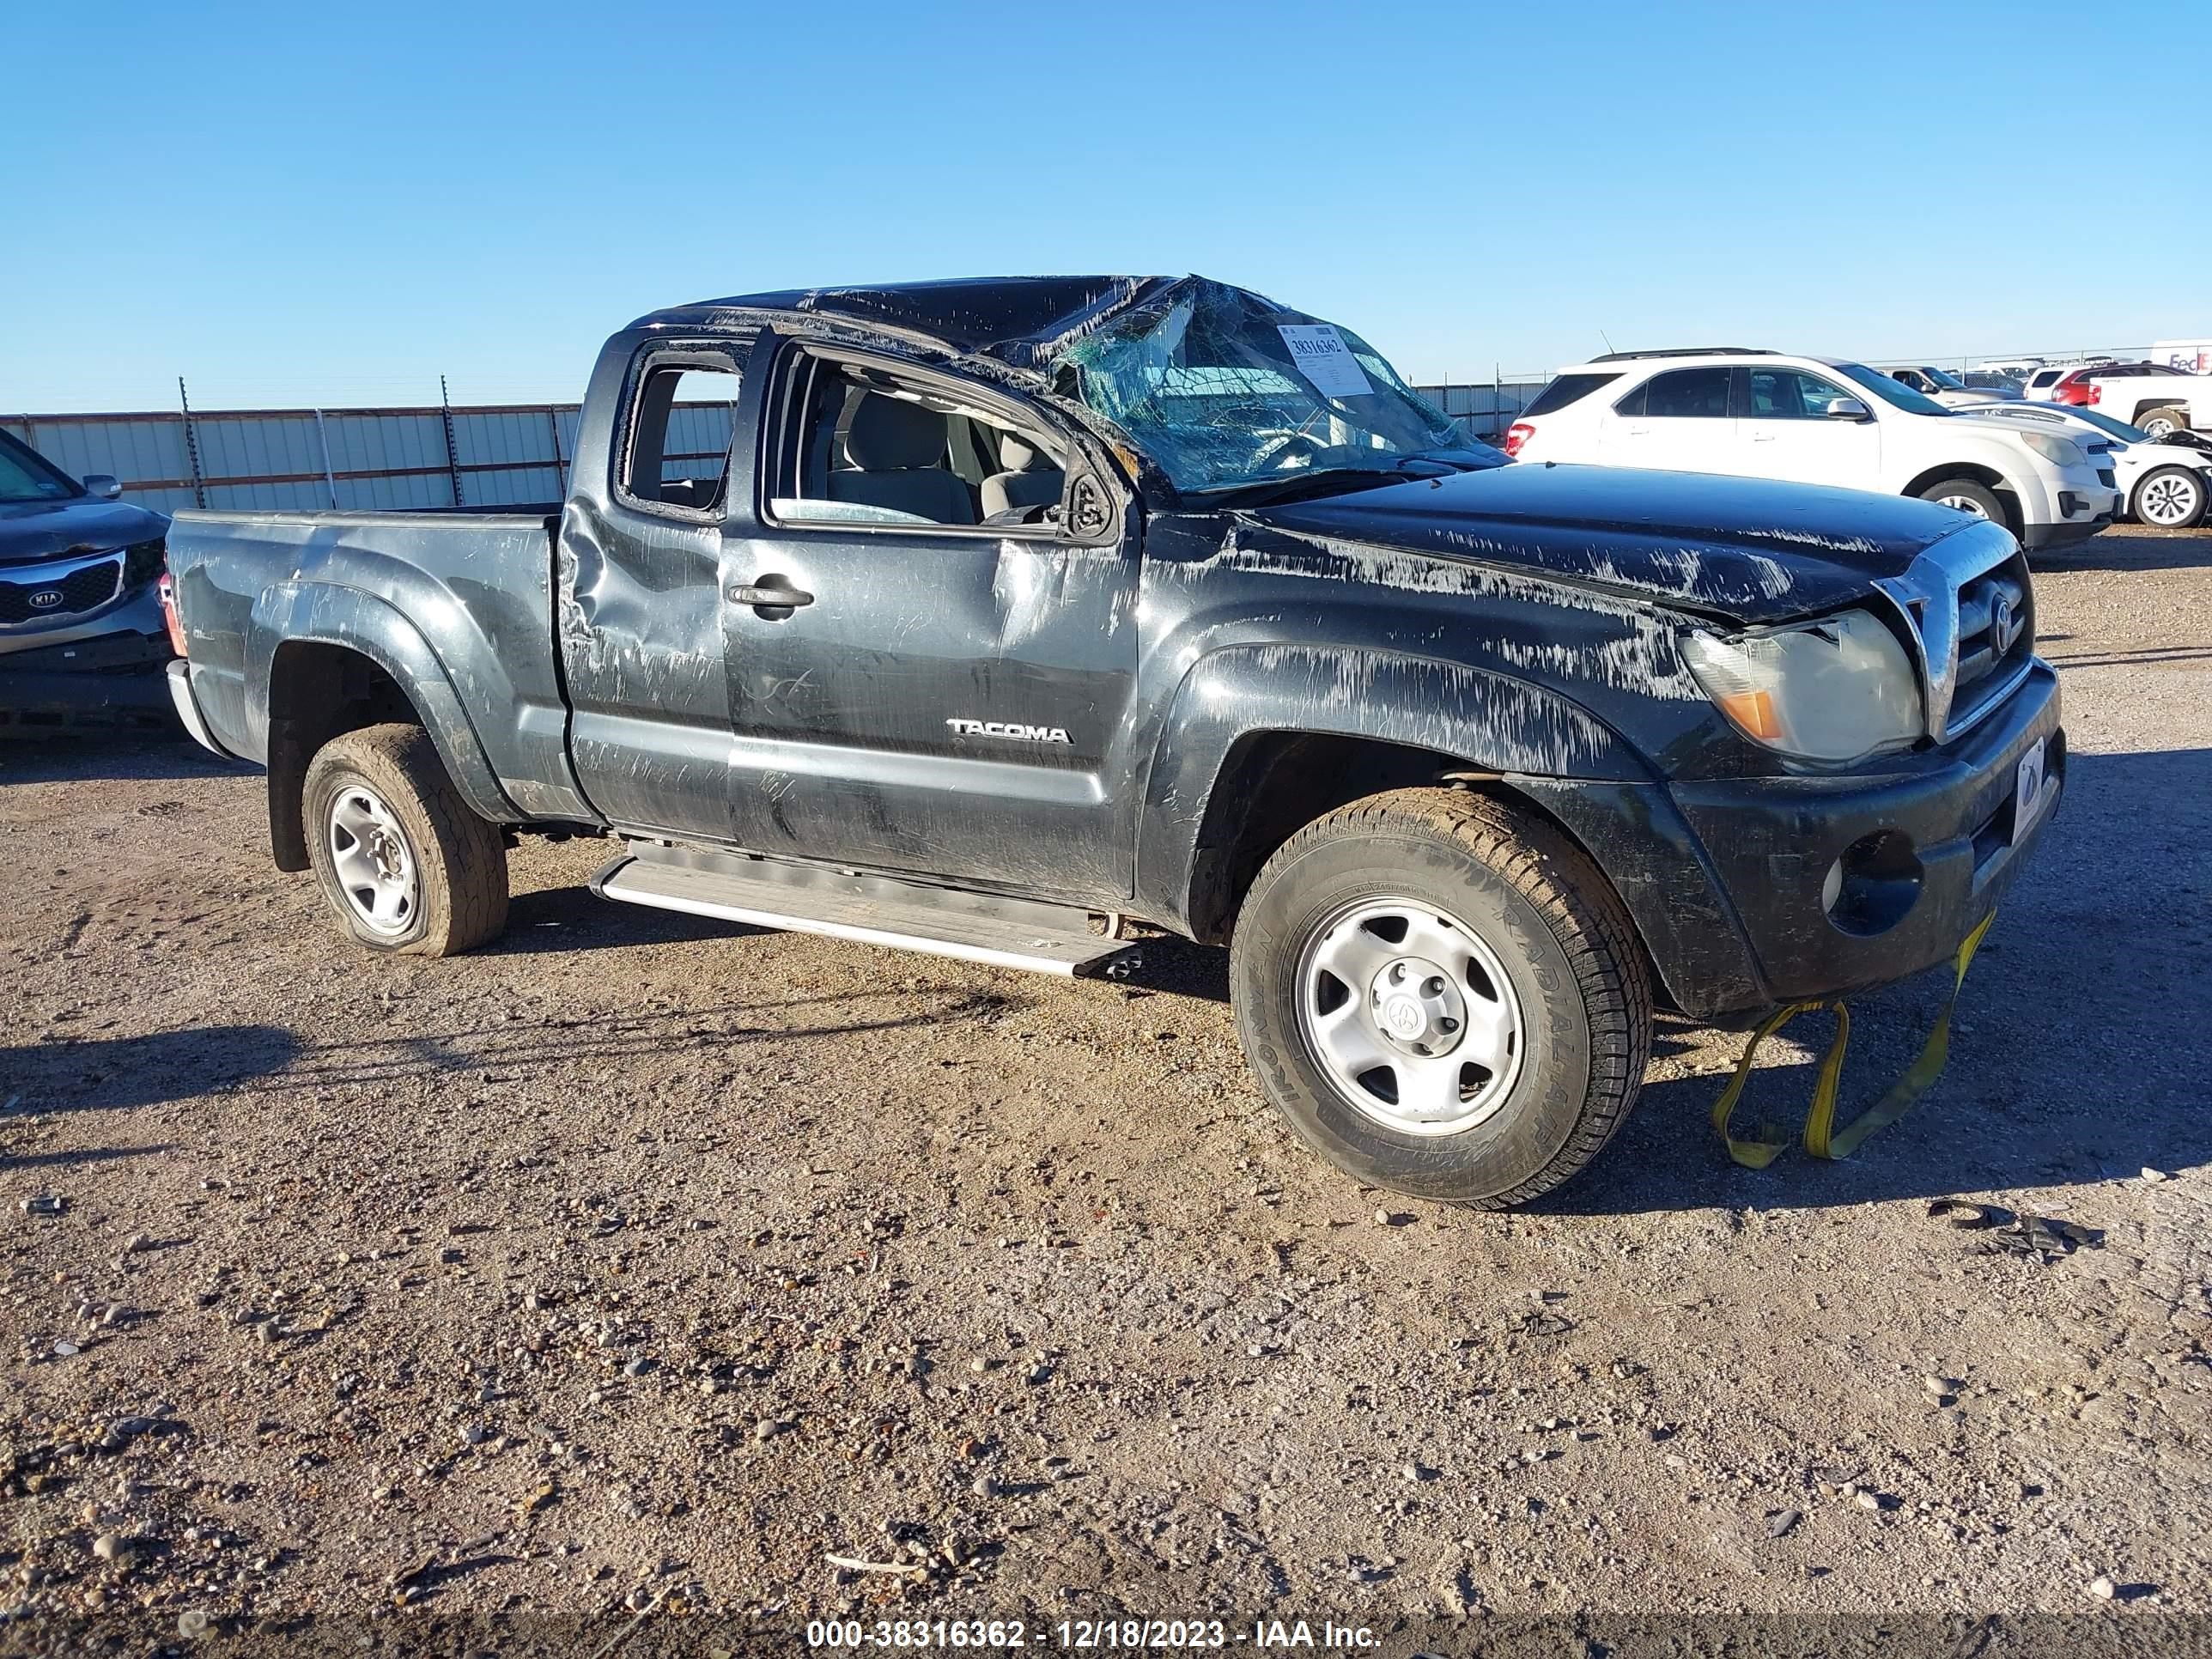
(1822, 1139)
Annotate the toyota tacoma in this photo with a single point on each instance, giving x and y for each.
(1010, 618)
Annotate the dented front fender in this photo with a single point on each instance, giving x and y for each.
(1487, 720)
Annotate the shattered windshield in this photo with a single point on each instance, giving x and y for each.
(1222, 389)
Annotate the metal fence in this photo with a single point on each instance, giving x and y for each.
(384, 459)
(1488, 407)
(390, 460)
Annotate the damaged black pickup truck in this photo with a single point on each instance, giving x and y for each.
(995, 618)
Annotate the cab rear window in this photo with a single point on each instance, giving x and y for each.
(1567, 389)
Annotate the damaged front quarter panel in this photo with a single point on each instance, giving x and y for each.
(1549, 673)
(1530, 679)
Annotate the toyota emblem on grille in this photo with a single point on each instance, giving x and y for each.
(46, 598)
(2004, 626)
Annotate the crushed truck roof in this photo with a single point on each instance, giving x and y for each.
(1016, 320)
(1032, 325)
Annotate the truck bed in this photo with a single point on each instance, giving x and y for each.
(2130, 397)
(456, 599)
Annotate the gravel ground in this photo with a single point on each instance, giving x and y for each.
(643, 1263)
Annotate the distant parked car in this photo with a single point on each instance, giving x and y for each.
(2167, 484)
(2044, 378)
(2073, 385)
(1819, 421)
(1946, 389)
(82, 637)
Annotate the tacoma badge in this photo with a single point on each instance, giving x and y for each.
(1010, 729)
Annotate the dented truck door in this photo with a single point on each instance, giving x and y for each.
(943, 698)
(640, 560)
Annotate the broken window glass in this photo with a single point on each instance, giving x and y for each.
(1219, 387)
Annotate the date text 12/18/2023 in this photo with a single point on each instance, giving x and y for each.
(1086, 1635)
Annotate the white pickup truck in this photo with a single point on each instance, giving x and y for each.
(2160, 405)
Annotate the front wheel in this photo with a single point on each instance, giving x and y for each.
(409, 868)
(1444, 996)
(1965, 496)
(2172, 498)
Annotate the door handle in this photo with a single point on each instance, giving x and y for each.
(773, 594)
(1762, 437)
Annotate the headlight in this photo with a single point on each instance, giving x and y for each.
(142, 562)
(1833, 689)
(2059, 451)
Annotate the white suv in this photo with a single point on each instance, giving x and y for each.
(1816, 421)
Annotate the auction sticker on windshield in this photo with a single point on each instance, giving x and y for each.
(1323, 358)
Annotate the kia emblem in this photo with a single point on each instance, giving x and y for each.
(46, 598)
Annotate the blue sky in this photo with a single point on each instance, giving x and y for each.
(299, 204)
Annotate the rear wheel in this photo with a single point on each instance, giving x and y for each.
(408, 867)
(2160, 424)
(1444, 996)
(2172, 498)
(1965, 496)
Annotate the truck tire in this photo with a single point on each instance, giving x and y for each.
(2159, 424)
(409, 868)
(1966, 495)
(1443, 995)
(2171, 498)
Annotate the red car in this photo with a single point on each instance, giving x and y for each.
(2076, 388)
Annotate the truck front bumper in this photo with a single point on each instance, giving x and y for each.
(1845, 882)
(1755, 891)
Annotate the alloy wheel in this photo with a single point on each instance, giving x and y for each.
(2170, 501)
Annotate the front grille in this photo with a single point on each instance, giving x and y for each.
(1996, 636)
(85, 588)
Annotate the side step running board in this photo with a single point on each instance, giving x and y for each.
(911, 915)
